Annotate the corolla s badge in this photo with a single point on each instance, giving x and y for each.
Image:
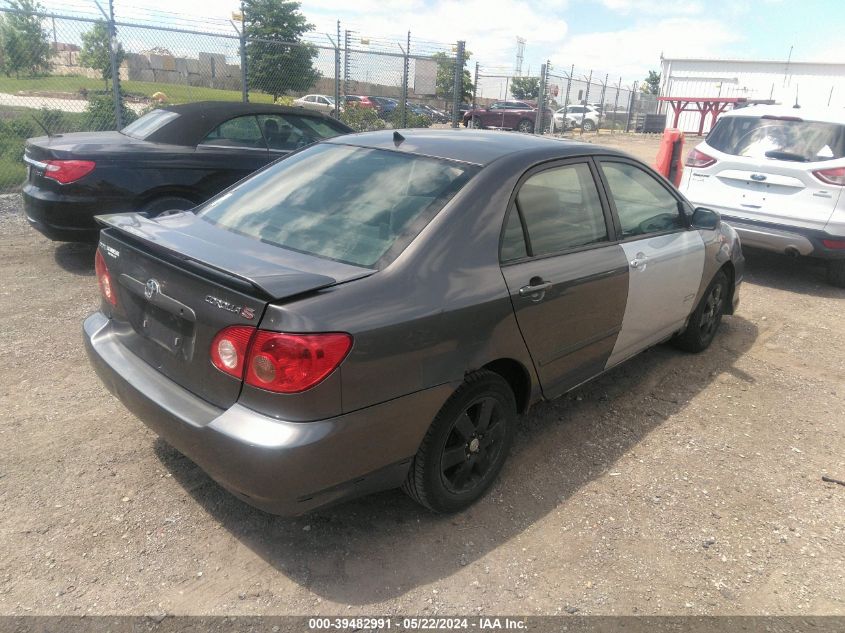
(246, 313)
(758, 177)
(151, 289)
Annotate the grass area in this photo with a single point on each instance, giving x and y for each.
(12, 173)
(176, 93)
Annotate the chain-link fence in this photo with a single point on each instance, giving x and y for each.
(99, 71)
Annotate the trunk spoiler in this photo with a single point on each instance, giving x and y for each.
(183, 237)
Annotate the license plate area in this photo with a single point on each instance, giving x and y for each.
(167, 330)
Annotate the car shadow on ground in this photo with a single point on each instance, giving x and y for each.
(76, 257)
(379, 547)
(801, 275)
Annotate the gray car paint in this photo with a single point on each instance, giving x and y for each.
(441, 309)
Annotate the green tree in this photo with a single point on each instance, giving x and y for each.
(96, 52)
(99, 113)
(272, 67)
(651, 84)
(24, 44)
(525, 88)
(445, 84)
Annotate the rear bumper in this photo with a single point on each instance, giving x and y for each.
(791, 240)
(63, 218)
(281, 467)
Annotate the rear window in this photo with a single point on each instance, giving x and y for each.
(149, 123)
(349, 204)
(761, 137)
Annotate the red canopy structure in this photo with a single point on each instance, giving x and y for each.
(703, 105)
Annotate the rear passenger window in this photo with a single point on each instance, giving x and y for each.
(644, 205)
(242, 131)
(561, 210)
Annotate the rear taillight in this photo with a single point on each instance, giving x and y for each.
(229, 349)
(834, 176)
(290, 363)
(104, 279)
(699, 159)
(835, 244)
(67, 171)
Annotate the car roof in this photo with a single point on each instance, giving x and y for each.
(199, 118)
(479, 147)
(827, 115)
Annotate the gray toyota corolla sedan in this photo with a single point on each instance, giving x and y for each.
(375, 310)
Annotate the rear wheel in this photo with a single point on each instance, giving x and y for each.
(706, 318)
(476, 123)
(525, 126)
(466, 445)
(167, 203)
(836, 272)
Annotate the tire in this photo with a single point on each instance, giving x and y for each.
(525, 126)
(705, 319)
(589, 126)
(474, 457)
(836, 272)
(476, 123)
(167, 203)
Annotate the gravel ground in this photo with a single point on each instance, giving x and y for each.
(675, 484)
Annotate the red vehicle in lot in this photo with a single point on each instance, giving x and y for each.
(510, 115)
(361, 102)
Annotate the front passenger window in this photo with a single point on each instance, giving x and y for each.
(644, 205)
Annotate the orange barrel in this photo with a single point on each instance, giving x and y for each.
(669, 160)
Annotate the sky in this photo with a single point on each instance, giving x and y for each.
(623, 38)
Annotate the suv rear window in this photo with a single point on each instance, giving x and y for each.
(778, 138)
(351, 204)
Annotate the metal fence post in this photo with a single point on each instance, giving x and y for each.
(458, 88)
(566, 98)
(403, 113)
(115, 71)
(345, 64)
(586, 102)
(601, 103)
(541, 99)
(631, 107)
(475, 86)
(244, 79)
(616, 106)
(337, 73)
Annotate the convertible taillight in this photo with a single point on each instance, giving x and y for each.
(104, 278)
(835, 176)
(699, 159)
(835, 244)
(290, 363)
(278, 361)
(68, 171)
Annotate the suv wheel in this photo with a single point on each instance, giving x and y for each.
(589, 126)
(476, 123)
(836, 272)
(466, 445)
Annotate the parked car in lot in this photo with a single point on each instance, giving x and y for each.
(777, 175)
(359, 101)
(573, 116)
(385, 105)
(510, 115)
(375, 310)
(318, 103)
(171, 158)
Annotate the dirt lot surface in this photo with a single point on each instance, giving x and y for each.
(675, 484)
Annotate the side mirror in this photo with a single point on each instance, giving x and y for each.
(703, 218)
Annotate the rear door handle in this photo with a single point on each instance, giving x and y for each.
(537, 289)
(639, 262)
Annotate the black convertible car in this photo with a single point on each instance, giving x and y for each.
(172, 158)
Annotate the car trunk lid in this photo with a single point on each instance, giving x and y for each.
(179, 280)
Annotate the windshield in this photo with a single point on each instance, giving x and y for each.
(350, 204)
(149, 123)
(778, 138)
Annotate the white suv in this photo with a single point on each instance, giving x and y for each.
(776, 174)
(574, 116)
